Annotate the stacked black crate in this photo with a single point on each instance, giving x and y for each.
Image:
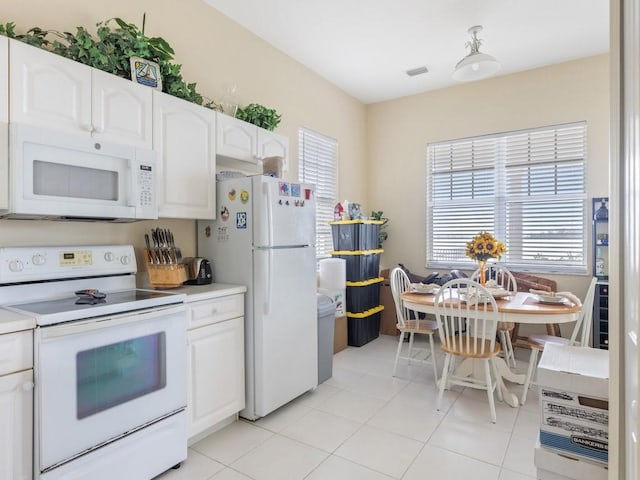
(356, 241)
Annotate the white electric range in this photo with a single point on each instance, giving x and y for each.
(109, 362)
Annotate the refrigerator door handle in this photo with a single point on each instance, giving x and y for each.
(269, 281)
(267, 192)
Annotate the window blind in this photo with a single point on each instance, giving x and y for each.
(525, 187)
(318, 165)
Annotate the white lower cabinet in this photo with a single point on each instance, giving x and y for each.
(215, 362)
(16, 406)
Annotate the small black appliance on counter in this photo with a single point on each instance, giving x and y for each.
(198, 271)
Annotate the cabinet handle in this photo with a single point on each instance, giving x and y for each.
(26, 386)
(214, 311)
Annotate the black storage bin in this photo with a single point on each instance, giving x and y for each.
(362, 296)
(361, 265)
(355, 234)
(363, 327)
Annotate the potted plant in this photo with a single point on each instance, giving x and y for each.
(111, 51)
(382, 235)
(259, 115)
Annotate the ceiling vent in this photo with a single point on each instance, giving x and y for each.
(417, 71)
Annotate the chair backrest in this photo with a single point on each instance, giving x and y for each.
(582, 329)
(467, 316)
(399, 284)
(503, 277)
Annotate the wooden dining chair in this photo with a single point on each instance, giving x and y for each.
(505, 279)
(579, 336)
(467, 317)
(409, 324)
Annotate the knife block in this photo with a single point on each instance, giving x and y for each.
(165, 275)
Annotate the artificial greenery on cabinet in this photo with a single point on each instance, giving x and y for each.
(116, 41)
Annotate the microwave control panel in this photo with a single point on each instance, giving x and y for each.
(144, 186)
(145, 182)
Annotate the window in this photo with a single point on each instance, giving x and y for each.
(318, 165)
(526, 187)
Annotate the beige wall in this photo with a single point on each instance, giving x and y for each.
(381, 147)
(215, 53)
(399, 130)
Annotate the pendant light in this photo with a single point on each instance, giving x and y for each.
(475, 65)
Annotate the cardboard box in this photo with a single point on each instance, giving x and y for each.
(340, 334)
(388, 316)
(574, 386)
(556, 466)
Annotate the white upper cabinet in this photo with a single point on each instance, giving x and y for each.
(271, 144)
(4, 119)
(240, 140)
(121, 110)
(184, 137)
(51, 91)
(48, 90)
(4, 79)
(236, 139)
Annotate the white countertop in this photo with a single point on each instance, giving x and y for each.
(14, 322)
(11, 321)
(204, 292)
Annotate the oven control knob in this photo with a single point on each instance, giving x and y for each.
(108, 256)
(38, 259)
(16, 265)
(125, 260)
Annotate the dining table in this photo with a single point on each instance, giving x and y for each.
(516, 307)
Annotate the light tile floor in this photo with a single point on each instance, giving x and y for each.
(364, 424)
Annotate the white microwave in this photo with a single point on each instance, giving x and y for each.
(56, 175)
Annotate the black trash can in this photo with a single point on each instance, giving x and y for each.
(326, 322)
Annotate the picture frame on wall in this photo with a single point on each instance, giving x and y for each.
(146, 72)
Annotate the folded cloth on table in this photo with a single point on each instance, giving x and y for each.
(568, 295)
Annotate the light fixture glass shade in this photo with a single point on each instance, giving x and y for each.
(475, 66)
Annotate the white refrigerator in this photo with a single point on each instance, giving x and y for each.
(264, 237)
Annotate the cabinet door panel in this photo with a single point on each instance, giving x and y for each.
(4, 120)
(216, 374)
(48, 90)
(16, 422)
(4, 79)
(121, 110)
(272, 144)
(184, 136)
(236, 139)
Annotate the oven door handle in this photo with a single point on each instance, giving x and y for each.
(111, 321)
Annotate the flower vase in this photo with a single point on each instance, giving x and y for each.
(482, 266)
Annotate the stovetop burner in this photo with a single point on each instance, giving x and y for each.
(47, 312)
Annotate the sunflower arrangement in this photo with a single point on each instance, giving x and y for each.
(484, 246)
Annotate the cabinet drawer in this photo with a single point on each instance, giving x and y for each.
(16, 352)
(216, 310)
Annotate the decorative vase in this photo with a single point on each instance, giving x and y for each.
(482, 266)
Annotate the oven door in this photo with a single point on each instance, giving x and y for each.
(99, 379)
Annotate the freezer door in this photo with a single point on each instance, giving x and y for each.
(285, 326)
(284, 212)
